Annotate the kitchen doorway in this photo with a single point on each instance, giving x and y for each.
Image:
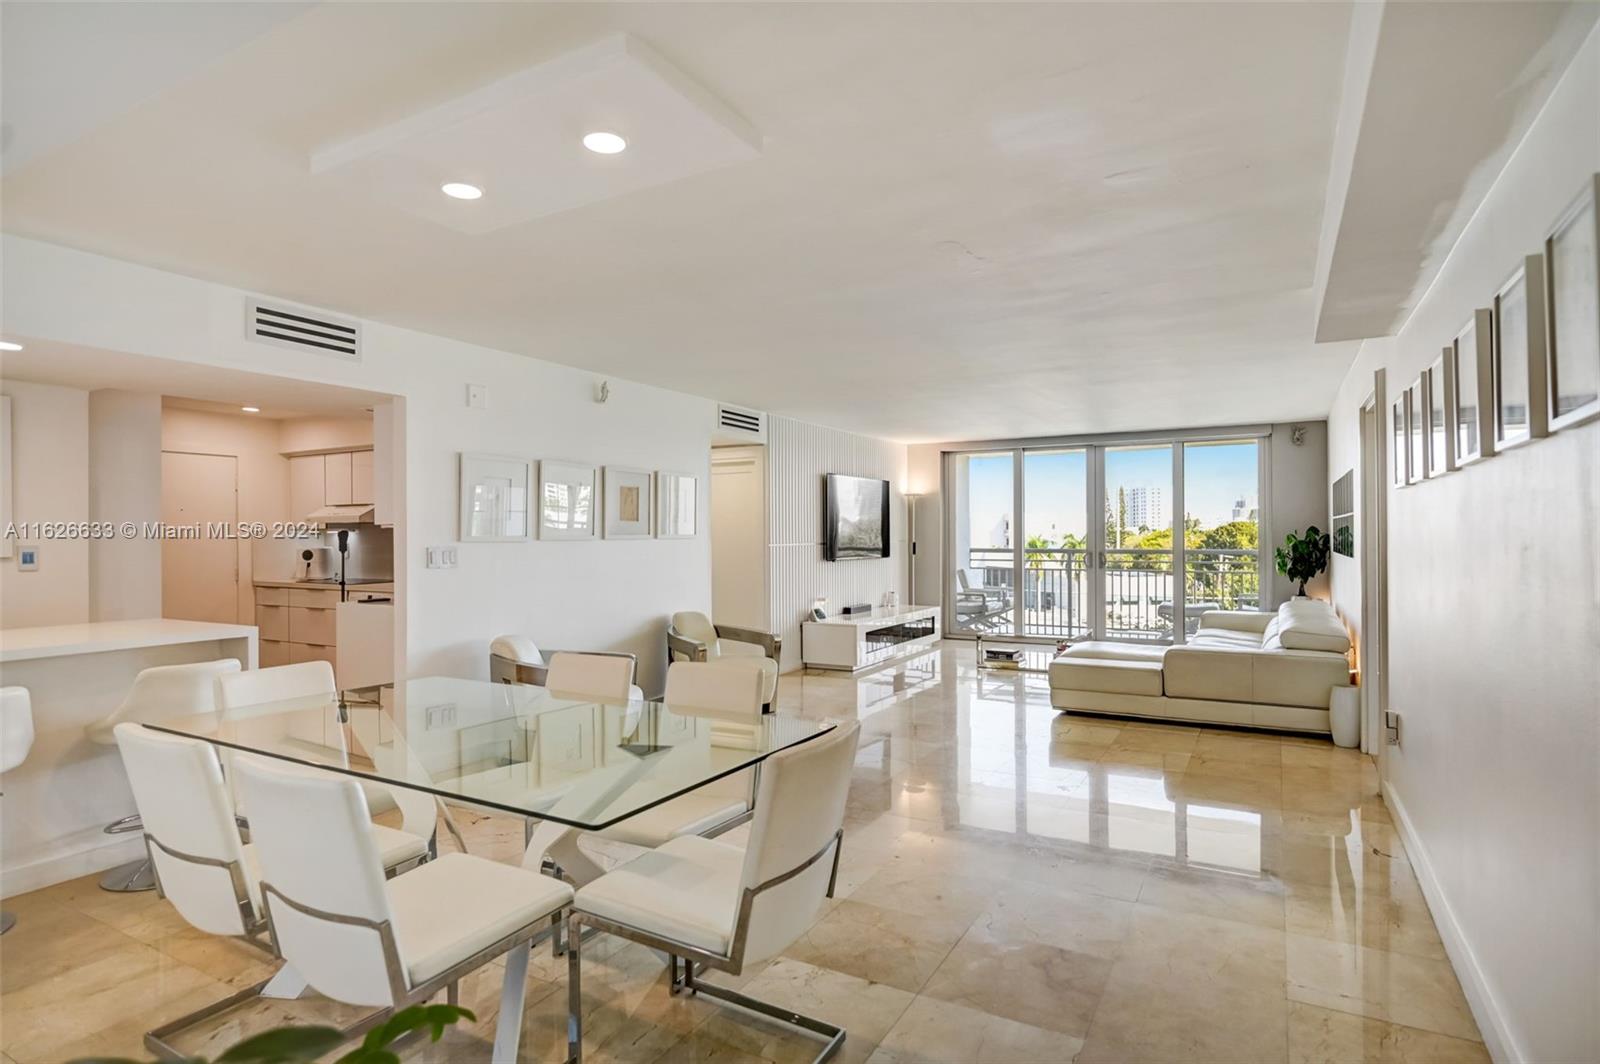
(199, 568)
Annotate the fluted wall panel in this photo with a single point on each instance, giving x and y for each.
(799, 456)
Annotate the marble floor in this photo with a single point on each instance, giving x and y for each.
(1016, 885)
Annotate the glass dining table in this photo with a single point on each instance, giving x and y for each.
(517, 749)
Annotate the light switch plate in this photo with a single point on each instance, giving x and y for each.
(478, 396)
(441, 557)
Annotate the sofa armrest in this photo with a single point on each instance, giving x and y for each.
(1237, 620)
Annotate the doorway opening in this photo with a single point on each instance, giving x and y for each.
(739, 535)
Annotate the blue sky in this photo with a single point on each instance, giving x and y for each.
(1215, 476)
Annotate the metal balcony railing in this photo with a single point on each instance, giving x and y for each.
(1138, 598)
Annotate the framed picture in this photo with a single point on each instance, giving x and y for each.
(630, 503)
(1572, 291)
(677, 506)
(1470, 378)
(495, 491)
(569, 500)
(1514, 343)
(1416, 430)
(1398, 440)
(1440, 460)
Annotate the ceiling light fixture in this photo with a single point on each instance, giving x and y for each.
(461, 190)
(7, 345)
(251, 409)
(604, 143)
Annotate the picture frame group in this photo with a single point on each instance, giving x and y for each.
(505, 499)
(1522, 367)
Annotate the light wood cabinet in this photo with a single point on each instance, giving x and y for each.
(273, 622)
(336, 479)
(312, 626)
(272, 652)
(361, 466)
(297, 624)
(306, 485)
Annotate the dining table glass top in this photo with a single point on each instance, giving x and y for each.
(520, 749)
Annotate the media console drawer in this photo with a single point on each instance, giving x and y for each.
(862, 641)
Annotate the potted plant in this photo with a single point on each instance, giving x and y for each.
(1303, 557)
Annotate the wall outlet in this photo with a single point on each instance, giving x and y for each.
(440, 716)
(441, 557)
(1391, 727)
(478, 396)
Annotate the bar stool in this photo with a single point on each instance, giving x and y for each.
(16, 739)
(164, 692)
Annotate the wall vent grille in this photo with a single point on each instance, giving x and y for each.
(748, 425)
(302, 329)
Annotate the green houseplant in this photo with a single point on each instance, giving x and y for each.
(1303, 557)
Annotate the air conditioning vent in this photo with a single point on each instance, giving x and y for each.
(302, 329)
(738, 424)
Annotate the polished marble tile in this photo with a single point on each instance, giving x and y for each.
(1016, 884)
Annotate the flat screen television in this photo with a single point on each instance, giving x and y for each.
(857, 523)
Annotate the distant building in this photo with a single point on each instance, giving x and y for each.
(1000, 534)
(1148, 508)
(1246, 511)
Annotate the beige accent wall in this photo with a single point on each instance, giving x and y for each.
(124, 485)
(50, 482)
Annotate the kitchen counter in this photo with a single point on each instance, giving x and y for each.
(60, 640)
(383, 585)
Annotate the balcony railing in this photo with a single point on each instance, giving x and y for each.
(1055, 590)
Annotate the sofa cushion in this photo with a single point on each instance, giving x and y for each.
(1225, 639)
(1299, 677)
(1110, 675)
(1311, 624)
(1115, 651)
(1214, 672)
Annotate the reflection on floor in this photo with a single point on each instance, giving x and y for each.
(1017, 885)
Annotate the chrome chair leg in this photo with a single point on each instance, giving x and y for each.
(832, 1033)
(130, 878)
(574, 991)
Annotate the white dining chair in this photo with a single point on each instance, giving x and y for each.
(16, 742)
(733, 687)
(363, 940)
(725, 907)
(164, 692)
(312, 683)
(200, 863)
(602, 677)
(518, 659)
(691, 636)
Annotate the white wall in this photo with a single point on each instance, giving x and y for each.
(603, 594)
(124, 485)
(263, 478)
(799, 456)
(1494, 645)
(50, 482)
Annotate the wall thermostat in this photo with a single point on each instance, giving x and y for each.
(28, 559)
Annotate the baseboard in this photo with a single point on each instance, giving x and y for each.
(99, 854)
(1486, 1008)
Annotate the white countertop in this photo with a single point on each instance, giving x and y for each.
(61, 640)
(323, 585)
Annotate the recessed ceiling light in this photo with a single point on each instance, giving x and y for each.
(251, 409)
(461, 190)
(604, 143)
(7, 345)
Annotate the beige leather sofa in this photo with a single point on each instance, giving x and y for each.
(1265, 670)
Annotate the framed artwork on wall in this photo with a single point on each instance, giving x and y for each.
(494, 493)
(1572, 293)
(1440, 460)
(1513, 344)
(1470, 373)
(1417, 429)
(569, 500)
(630, 503)
(677, 506)
(1398, 438)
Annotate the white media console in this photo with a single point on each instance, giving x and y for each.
(864, 640)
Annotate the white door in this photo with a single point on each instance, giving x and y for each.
(199, 567)
(739, 536)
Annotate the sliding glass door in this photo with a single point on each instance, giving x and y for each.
(1075, 542)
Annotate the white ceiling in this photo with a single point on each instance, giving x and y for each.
(966, 221)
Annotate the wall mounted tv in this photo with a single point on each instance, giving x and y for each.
(857, 523)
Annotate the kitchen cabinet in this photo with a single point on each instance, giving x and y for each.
(361, 466)
(306, 488)
(383, 451)
(301, 623)
(336, 479)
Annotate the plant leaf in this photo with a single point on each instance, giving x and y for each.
(286, 1045)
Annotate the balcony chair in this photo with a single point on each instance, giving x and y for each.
(719, 906)
(730, 687)
(312, 683)
(16, 741)
(363, 940)
(165, 692)
(980, 607)
(516, 659)
(692, 637)
(198, 860)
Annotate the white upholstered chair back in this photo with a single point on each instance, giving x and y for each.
(310, 680)
(799, 811)
(517, 648)
(697, 626)
(310, 832)
(185, 808)
(730, 685)
(167, 692)
(16, 727)
(602, 677)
